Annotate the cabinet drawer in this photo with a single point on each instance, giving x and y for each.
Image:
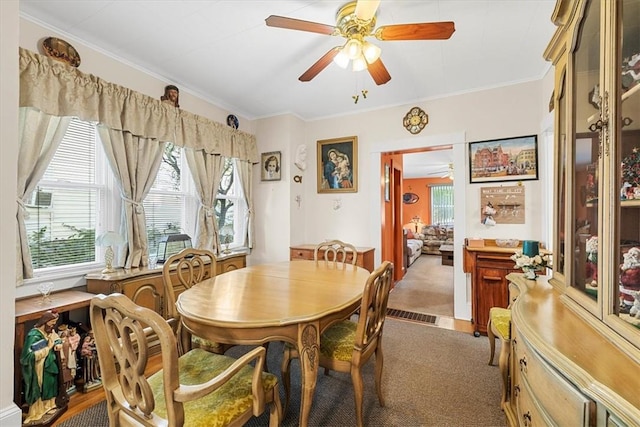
(301, 254)
(528, 412)
(558, 398)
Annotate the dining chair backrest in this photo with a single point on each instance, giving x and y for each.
(179, 273)
(183, 270)
(336, 251)
(196, 386)
(373, 309)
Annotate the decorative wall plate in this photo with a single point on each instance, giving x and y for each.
(415, 120)
(410, 198)
(61, 50)
(232, 121)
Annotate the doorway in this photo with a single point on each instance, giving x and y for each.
(424, 283)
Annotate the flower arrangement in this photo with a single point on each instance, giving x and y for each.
(592, 249)
(531, 264)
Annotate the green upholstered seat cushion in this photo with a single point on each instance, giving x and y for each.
(217, 408)
(337, 341)
(501, 321)
(212, 346)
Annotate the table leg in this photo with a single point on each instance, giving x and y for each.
(309, 351)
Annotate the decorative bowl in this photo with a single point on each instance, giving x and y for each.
(507, 243)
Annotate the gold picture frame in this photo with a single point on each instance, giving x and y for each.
(338, 165)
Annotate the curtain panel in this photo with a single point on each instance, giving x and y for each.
(59, 89)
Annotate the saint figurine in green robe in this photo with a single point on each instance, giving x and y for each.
(40, 367)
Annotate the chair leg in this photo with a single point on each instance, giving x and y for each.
(503, 362)
(286, 376)
(378, 374)
(492, 341)
(356, 379)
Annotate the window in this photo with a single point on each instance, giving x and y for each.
(170, 202)
(231, 208)
(441, 204)
(61, 219)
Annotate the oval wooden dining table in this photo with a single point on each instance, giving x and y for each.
(291, 301)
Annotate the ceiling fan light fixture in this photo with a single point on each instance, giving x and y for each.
(371, 52)
(353, 48)
(341, 59)
(359, 64)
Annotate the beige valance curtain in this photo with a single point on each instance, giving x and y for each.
(60, 90)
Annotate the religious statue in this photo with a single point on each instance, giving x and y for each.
(171, 95)
(70, 341)
(44, 390)
(90, 365)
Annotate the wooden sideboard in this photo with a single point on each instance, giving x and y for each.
(489, 267)
(364, 259)
(562, 370)
(145, 286)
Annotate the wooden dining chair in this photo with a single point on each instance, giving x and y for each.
(179, 273)
(346, 345)
(336, 251)
(196, 388)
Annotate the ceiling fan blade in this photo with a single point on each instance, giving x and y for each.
(300, 25)
(420, 31)
(320, 65)
(379, 72)
(366, 9)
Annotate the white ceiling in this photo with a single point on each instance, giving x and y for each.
(223, 52)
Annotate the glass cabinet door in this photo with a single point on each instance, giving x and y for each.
(585, 155)
(625, 135)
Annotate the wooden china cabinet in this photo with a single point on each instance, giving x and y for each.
(575, 348)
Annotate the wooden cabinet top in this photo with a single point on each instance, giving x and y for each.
(129, 273)
(31, 308)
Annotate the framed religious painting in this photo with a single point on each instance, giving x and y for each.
(338, 165)
(270, 166)
(507, 159)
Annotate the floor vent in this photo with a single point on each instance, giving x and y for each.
(409, 315)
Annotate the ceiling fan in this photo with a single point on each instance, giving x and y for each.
(355, 21)
(439, 170)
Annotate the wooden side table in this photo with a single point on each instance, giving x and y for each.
(365, 255)
(31, 309)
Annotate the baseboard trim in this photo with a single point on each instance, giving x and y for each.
(11, 416)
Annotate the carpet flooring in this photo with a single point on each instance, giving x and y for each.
(432, 377)
(426, 288)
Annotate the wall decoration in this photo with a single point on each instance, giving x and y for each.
(232, 121)
(415, 120)
(387, 182)
(270, 166)
(508, 159)
(410, 198)
(338, 165)
(61, 50)
(502, 205)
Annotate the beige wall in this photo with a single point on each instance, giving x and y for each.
(10, 414)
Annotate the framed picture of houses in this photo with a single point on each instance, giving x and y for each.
(507, 159)
(338, 165)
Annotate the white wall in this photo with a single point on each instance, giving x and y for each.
(10, 414)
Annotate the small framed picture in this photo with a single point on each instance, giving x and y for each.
(338, 165)
(270, 166)
(507, 159)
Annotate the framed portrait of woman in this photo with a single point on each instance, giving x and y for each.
(338, 165)
(270, 166)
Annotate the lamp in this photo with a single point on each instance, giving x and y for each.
(109, 239)
(226, 234)
(417, 221)
(171, 244)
